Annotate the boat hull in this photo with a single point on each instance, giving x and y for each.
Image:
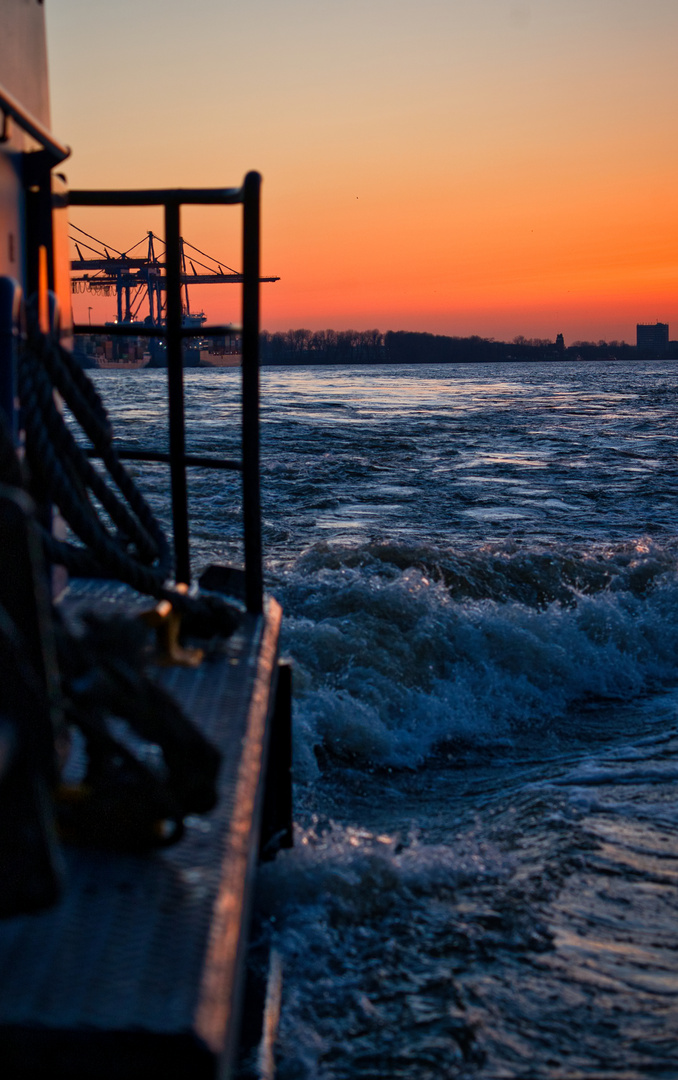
(122, 365)
(220, 360)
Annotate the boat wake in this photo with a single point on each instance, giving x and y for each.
(401, 652)
(502, 725)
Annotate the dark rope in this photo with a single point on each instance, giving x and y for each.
(68, 473)
(122, 800)
(136, 552)
(52, 366)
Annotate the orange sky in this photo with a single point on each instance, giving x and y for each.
(457, 166)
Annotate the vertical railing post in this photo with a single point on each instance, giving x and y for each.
(254, 587)
(175, 389)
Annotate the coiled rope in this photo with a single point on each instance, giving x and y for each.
(121, 801)
(132, 548)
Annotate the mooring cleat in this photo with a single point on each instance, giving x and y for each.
(166, 622)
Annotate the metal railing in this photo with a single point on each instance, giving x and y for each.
(249, 196)
(11, 108)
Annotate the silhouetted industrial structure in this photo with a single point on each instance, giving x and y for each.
(138, 279)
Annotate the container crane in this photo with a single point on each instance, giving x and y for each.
(138, 279)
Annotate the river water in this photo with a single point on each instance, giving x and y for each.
(478, 566)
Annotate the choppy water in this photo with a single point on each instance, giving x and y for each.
(478, 569)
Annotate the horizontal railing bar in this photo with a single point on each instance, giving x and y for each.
(126, 330)
(28, 123)
(125, 274)
(158, 197)
(197, 460)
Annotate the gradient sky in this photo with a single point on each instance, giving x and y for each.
(457, 166)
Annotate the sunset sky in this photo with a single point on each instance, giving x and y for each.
(458, 166)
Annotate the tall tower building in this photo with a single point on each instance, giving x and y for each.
(652, 335)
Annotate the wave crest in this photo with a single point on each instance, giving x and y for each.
(401, 650)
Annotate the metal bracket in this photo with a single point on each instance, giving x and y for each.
(167, 625)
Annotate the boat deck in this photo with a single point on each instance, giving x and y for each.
(138, 970)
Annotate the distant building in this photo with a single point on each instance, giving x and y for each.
(652, 335)
(560, 343)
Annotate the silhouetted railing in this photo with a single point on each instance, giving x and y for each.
(249, 196)
(11, 108)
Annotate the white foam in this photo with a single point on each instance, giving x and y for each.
(390, 664)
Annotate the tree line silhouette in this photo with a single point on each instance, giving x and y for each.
(322, 347)
(410, 347)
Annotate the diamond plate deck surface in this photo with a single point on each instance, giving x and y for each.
(125, 949)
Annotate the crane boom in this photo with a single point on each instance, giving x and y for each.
(122, 273)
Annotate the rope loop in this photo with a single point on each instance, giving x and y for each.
(119, 535)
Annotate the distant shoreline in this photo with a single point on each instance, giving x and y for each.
(367, 348)
(304, 347)
(428, 363)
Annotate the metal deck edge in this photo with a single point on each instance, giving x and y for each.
(217, 1015)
